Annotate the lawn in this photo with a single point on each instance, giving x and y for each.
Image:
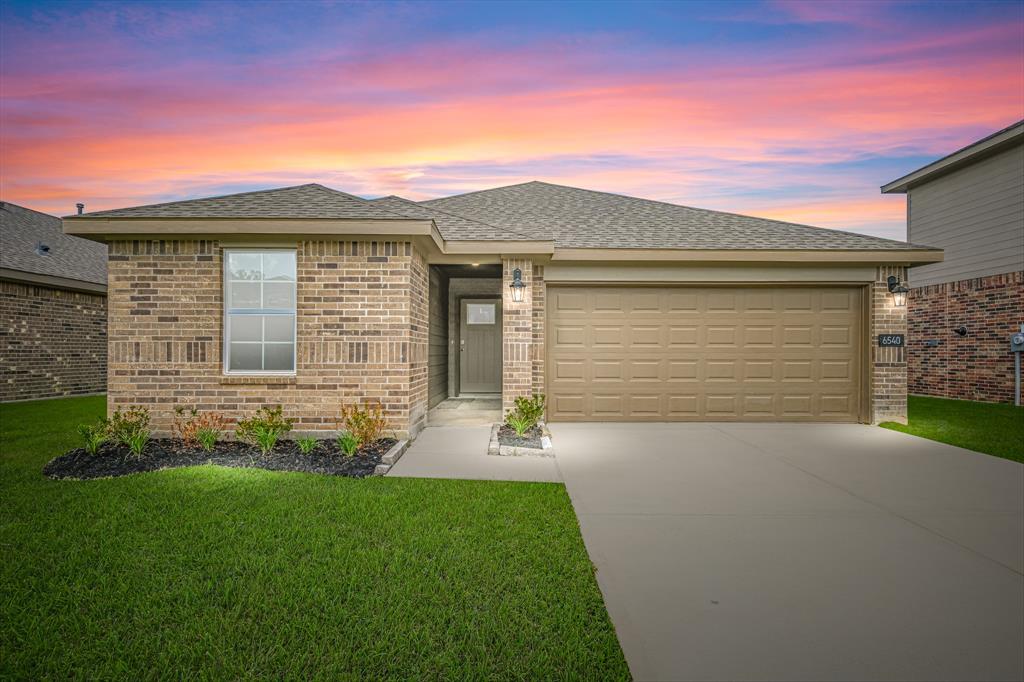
(227, 573)
(994, 429)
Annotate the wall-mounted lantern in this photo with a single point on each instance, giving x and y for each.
(898, 291)
(517, 286)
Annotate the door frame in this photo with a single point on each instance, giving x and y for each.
(498, 318)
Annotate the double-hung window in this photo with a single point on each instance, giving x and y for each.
(259, 311)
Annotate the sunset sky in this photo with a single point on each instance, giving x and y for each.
(789, 110)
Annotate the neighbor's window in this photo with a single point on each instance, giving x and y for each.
(259, 310)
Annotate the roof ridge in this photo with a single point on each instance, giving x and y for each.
(331, 190)
(218, 196)
(4, 205)
(480, 191)
(462, 217)
(711, 210)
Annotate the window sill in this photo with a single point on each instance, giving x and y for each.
(259, 379)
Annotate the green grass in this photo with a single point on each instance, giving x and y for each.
(994, 429)
(226, 573)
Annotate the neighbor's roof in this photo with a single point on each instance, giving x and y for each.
(451, 227)
(301, 201)
(23, 230)
(975, 151)
(580, 218)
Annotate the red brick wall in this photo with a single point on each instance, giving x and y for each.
(361, 333)
(978, 366)
(52, 342)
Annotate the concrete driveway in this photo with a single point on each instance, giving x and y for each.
(801, 552)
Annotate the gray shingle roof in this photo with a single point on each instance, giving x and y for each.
(451, 227)
(302, 201)
(22, 230)
(580, 218)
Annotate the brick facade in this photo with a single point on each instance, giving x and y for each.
(978, 366)
(53, 342)
(361, 327)
(539, 316)
(888, 365)
(517, 335)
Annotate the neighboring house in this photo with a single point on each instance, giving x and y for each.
(963, 310)
(53, 309)
(617, 308)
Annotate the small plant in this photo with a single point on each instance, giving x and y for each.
(208, 437)
(94, 435)
(526, 413)
(366, 422)
(189, 422)
(307, 444)
(124, 427)
(519, 423)
(137, 441)
(348, 443)
(264, 428)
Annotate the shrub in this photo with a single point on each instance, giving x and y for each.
(94, 435)
(129, 427)
(518, 423)
(189, 422)
(208, 437)
(366, 423)
(307, 444)
(137, 441)
(264, 428)
(348, 443)
(526, 413)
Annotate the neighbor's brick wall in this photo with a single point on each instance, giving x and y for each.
(978, 366)
(888, 365)
(356, 341)
(53, 342)
(517, 338)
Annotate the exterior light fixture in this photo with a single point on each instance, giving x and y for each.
(517, 285)
(898, 291)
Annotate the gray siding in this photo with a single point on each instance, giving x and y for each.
(976, 214)
(437, 372)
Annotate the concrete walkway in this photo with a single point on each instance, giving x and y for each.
(800, 552)
(461, 452)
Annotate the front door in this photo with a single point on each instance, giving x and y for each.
(480, 346)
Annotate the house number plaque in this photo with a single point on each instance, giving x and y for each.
(890, 340)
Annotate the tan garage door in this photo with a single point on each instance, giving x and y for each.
(718, 353)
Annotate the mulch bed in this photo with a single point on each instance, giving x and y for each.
(166, 453)
(530, 439)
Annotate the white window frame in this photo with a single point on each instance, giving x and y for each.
(228, 312)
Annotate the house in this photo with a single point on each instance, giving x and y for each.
(963, 310)
(53, 309)
(617, 308)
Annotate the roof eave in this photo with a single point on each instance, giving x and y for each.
(966, 156)
(780, 256)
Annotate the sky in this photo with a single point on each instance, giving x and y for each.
(797, 111)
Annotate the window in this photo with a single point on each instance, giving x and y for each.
(259, 311)
(480, 313)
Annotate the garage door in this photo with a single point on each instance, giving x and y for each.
(720, 353)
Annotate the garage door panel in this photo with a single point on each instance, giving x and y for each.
(689, 353)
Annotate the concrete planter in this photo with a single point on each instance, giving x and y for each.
(497, 449)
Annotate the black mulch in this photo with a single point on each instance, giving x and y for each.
(166, 453)
(530, 439)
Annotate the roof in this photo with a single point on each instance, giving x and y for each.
(311, 201)
(23, 230)
(451, 227)
(973, 152)
(580, 218)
